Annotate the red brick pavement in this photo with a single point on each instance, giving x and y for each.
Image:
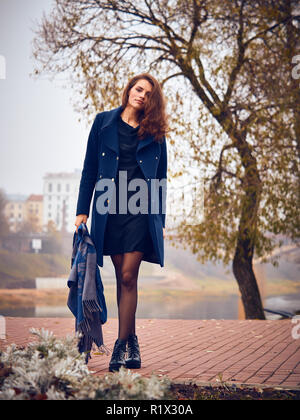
(197, 351)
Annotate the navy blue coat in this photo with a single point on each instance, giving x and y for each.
(101, 162)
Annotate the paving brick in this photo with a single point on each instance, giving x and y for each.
(251, 352)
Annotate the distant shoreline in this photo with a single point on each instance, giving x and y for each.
(12, 298)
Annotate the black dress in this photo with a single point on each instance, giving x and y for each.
(127, 232)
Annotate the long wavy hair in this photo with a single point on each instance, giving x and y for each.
(153, 119)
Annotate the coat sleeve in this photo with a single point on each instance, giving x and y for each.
(90, 169)
(162, 175)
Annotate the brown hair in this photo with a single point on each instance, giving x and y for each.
(153, 118)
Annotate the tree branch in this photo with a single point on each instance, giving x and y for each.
(240, 59)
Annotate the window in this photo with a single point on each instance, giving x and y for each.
(49, 187)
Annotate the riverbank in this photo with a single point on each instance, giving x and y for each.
(156, 303)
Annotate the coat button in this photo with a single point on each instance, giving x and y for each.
(117, 158)
(141, 161)
(113, 179)
(103, 154)
(156, 157)
(148, 179)
(100, 176)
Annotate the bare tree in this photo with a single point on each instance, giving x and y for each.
(211, 57)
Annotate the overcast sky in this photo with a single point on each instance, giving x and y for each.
(39, 130)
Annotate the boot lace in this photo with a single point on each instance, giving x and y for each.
(119, 351)
(133, 347)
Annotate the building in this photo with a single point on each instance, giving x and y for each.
(20, 209)
(34, 211)
(15, 210)
(60, 193)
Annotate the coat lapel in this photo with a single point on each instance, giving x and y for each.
(109, 132)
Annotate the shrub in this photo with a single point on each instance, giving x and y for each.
(53, 369)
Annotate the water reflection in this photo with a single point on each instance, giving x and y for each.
(163, 307)
(166, 305)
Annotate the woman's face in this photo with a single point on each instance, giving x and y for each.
(139, 94)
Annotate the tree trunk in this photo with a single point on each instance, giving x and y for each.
(242, 262)
(243, 258)
(243, 271)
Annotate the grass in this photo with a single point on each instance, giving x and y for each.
(26, 298)
(17, 269)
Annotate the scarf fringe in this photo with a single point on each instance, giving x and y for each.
(92, 305)
(87, 342)
(103, 349)
(84, 326)
(89, 306)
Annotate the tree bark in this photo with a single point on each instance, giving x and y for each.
(243, 271)
(243, 258)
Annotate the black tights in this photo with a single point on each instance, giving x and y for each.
(127, 268)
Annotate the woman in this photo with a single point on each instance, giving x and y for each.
(127, 144)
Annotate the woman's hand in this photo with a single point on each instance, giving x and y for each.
(164, 234)
(81, 218)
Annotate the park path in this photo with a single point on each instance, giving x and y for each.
(249, 352)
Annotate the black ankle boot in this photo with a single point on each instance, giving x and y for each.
(133, 360)
(118, 356)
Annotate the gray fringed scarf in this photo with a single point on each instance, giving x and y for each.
(86, 299)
